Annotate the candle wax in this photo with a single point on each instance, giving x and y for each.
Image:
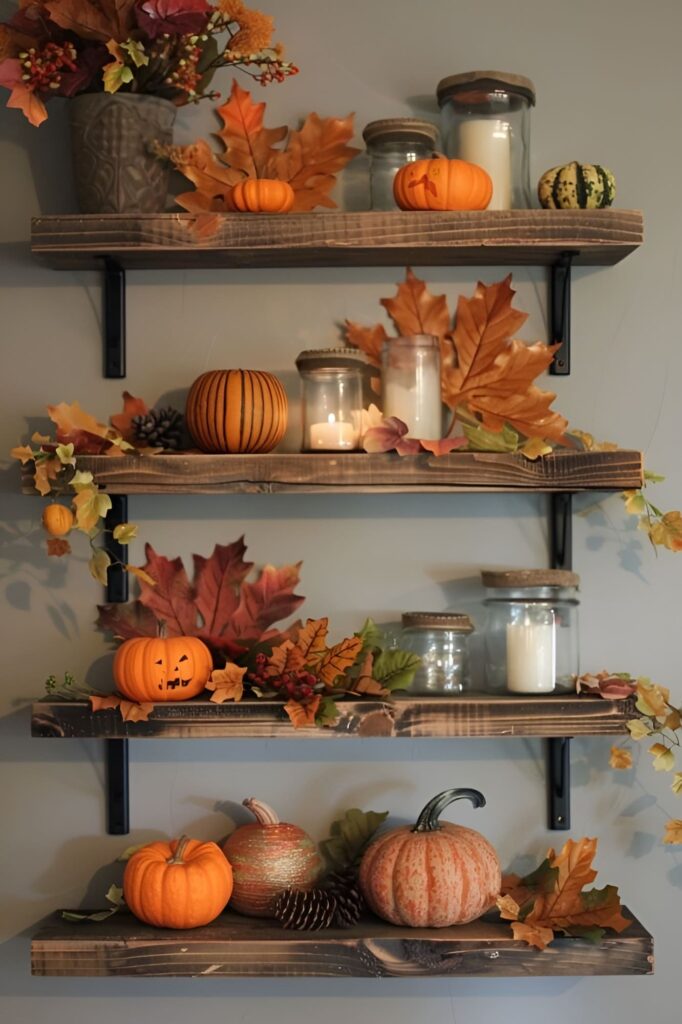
(334, 435)
(487, 142)
(531, 657)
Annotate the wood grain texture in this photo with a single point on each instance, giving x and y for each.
(359, 473)
(235, 946)
(474, 716)
(520, 237)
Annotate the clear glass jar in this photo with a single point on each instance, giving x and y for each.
(531, 632)
(410, 384)
(486, 120)
(391, 144)
(442, 642)
(331, 398)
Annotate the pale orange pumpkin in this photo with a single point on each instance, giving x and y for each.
(432, 874)
(267, 857)
(57, 520)
(442, 184)
(162, 668)
(236, 411)
(262, 195)
(181, 884)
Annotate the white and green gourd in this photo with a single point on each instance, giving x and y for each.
(577, 186)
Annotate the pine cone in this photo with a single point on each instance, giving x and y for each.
(305, 909)
(159, 428)
(350, 903)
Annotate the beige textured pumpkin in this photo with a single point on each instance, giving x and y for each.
(432, 874)
(231, 411)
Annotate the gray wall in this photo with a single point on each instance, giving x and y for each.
(607, 82)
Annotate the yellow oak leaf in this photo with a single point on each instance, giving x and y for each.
(47, 470)
(125, 532)
(98, 565)
(638, 729)
(620, 758)
(667, 532)
(507, 906)
(535, 447)
(676, 784)
(140, 574)
(652, 699)
(39, 438)
(673, 720)
(81, 480)
(302, 715)
(663, 757)
(64, 453)
(635, 503)
(227, 683)
(673, 832)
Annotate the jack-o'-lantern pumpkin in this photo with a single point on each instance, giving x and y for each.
(442, 184)
(162, 668)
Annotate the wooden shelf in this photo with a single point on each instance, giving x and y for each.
(235, 946)
(473, 716)
(518, 237)
(360, 473)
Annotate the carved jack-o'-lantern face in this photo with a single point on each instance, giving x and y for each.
(175, 668)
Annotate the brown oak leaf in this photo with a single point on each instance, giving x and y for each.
(57, 546)
(365, 682)
(227, 683)
(302, 715)
(130, 710)
(100, 20)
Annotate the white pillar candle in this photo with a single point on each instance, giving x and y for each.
(418, 406)
(531, 657)
(334, 435)
(487, 142)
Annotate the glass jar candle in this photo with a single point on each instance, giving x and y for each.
(410, 384)
(442, 642)
(391, 144)
(331, 398)
(531, 633)
(486, 121)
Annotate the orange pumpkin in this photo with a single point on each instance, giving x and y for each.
(57, 519)
(162, 668)
(432, 874)
(267, 857)
(442, 184)
(181, 884)
(236, 411)
(262, 195)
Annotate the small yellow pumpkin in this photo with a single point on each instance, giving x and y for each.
(162, 668)
(262, 195)
(181, 884)
(57, 520)
(442, 184)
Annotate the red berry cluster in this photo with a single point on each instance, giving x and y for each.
(186, 77)
(41, 68)
(297, 685)
(276, 71)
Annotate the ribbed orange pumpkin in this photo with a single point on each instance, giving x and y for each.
(158, 668)
(236, 411)
(181, 884)
(262, 195)
(433, 874)
(442, 184)
(57, 520)
(267, 857)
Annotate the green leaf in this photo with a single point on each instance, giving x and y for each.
(543, 879)
(653, 478)
(590, 934)
(125, 532)
(349, 836)
(136, 52)
(481, 440)
(327, 712)
(371, 636)
(64, 453)
(114, 896)
(395, 669)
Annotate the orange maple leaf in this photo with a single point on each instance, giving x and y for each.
(248, 143)
(673, 832)
(227, 683)
(311, 640)
(123, 421)
(46, 470)
(339, 658)
(313, 156)
(286, 657)
(130, 710)
(302, 715)
(213, 181)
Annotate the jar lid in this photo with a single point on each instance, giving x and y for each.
(332, 359)
(531, 578)
(481, 82)
(456, 622)
(400, 129)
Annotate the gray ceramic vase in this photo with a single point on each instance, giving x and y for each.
(111, 138)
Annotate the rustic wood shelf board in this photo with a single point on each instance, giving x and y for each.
(360, 473)
(473, 716)
(519, 237)
(235, 946)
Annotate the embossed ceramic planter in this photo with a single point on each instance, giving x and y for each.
(111, 138)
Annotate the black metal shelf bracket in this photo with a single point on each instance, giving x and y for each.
(559, 748)
(118, 801)
(560, 312)
(114, 314)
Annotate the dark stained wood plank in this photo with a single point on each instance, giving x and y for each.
(474, 716)
(235, 946)
(520, 237)
(360, 472)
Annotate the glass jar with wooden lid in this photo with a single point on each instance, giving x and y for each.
(441, 639)
(392, 143)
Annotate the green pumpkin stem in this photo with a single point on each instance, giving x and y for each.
(179, 855)
(428, 819)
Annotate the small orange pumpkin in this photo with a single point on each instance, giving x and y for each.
(162, 668)
(236, 411)
(181, 884)
(262, 195)
(442, 184)
(267, 857)
(432, 874)
(57, 520)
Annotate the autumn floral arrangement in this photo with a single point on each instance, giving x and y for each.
(166, 48)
